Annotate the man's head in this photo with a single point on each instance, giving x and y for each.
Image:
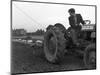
(71, 11)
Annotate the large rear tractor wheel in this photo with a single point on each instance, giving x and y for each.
(54, 45)
(90, 56)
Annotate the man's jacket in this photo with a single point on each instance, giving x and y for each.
(76, 23)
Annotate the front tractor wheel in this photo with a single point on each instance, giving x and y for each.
(54, 45)
(90, 56)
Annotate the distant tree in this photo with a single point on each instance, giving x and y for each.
(40, 32)
(37, 32)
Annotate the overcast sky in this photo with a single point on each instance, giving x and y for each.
(33, 16)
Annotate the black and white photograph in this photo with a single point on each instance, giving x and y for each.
(52, 37)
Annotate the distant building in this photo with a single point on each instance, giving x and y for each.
(19, 32)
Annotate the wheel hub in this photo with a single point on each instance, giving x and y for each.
(52, 45)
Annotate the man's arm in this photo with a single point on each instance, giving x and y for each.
(81, 19)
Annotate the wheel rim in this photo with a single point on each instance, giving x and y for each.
(92, 58)
(52, 45)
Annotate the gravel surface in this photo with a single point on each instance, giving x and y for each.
(26, 59)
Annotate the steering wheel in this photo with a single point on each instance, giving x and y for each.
(87, 21)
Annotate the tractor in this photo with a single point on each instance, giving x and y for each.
(58, 42)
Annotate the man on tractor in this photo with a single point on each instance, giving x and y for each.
(75, 20)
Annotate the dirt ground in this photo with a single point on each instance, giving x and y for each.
(27, 59)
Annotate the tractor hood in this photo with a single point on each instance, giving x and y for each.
(88, 27)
